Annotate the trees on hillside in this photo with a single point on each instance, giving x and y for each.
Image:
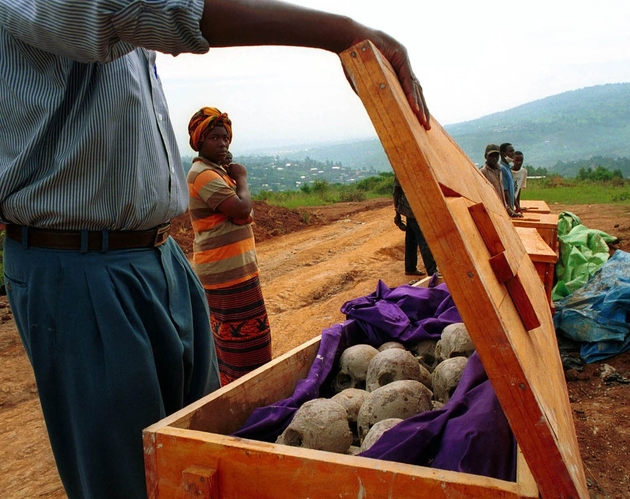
(598, 174)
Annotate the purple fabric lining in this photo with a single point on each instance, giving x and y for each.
(470, 433)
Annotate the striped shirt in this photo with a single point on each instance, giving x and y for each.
(224, 252)
(85, 137)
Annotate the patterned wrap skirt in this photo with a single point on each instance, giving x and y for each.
(240, 326)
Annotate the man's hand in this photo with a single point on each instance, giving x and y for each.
(399, 223)
(397, 56)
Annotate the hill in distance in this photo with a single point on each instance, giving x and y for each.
(592, 122)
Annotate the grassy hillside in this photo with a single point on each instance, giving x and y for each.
(576, 125)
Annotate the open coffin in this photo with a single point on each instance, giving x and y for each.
(500, 298)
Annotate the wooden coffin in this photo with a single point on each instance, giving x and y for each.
(500, 298)
(190, 455)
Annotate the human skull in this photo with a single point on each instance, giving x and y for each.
(425, 353)
(377, 431)
(390, 365)
(425, 377)
(436, 404)
(352, 399)
(320, 424)
(353, 365)
(391, 344)
(446, 377)
(353, 450)
(399, 399)
(455, 342)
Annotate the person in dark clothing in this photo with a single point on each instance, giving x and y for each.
(414, 238)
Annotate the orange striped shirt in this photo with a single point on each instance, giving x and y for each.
(224, 252)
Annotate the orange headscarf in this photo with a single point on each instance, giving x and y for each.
(205, 120)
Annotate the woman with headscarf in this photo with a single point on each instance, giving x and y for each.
(224, 251)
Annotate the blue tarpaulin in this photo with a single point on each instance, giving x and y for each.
(596, 314)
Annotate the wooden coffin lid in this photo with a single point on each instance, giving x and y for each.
(488, 271)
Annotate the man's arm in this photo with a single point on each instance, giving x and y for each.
(270, 22)
(517, 201)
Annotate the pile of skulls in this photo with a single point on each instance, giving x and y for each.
(377, 388)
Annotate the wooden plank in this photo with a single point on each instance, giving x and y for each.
(545, 223)
(252, 469)
(535, 245)
(535, 206)
(441, 184)
(484, 223)
(542, 256)
(524, 478)
(200, 482)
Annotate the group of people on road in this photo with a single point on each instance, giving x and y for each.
(505, 172)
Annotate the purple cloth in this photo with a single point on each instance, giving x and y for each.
(469, 434)
(407, 314)
(452, 438)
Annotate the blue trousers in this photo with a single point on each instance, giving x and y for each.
(117, 341)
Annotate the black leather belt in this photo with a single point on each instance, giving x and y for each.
(106, 240)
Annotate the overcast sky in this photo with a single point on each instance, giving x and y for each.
(473, 58)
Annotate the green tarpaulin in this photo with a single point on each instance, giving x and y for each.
(583, 251)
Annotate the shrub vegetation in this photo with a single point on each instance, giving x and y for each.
(591, 186)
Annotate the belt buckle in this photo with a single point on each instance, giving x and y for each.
(161, 235)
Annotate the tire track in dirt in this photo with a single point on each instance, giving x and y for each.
(312, 273)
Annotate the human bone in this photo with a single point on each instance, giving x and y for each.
(390, 365)
(446, 377)
(353, 450)
(353, 365)
(425, 353)
(425, 377)
(399, 399)
(352, 399)
(455, 342)
(320, 424)
(391, 344)
(377, 431)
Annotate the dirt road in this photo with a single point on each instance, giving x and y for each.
(306, 276)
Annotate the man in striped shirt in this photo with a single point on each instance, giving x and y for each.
(111, 315)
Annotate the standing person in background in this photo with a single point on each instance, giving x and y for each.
(112, 316)
(414, 238)
(507, 154)
(224, 249)
(519, 174)
(492, 171)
